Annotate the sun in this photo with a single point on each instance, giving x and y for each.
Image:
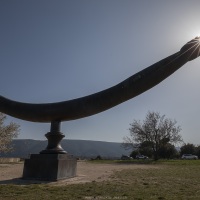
(192, 32)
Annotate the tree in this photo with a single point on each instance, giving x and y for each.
(197, 151)
(168, 151)
(145, 148)
(7, 133)
(157, 130)
(134, 153)
(188, 149)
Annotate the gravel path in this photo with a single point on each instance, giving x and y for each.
(86, 172)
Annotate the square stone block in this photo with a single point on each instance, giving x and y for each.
(50, 167)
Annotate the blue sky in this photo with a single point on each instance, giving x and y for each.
(56, 50)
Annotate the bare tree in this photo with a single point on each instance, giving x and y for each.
(155, 129)
(7, 133)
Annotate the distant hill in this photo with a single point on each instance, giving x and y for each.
(78, 148)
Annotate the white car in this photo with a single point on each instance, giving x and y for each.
(189, 156)
(141, 157)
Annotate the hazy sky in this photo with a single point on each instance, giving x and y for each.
(56, 50)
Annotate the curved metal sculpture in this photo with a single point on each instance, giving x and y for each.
(101, 101)
(106, 99)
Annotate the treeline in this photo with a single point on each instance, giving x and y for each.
(190, 149)
(167, 151)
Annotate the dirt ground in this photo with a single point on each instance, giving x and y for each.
(86, 172)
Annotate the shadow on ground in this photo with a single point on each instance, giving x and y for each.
(20, 181)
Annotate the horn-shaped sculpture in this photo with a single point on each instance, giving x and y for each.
(101, 101)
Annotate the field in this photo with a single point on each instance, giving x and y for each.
(175, 179)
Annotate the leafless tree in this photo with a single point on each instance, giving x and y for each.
(157, 130)
(7, 133)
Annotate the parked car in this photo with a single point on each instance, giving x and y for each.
(126, 157)
(141, 157)
(189, 156)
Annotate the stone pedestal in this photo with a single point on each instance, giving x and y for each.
(49, 167)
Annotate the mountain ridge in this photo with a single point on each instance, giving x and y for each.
(22, 148)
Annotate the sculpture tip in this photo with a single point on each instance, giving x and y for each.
(191, 49)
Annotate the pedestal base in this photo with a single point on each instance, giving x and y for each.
(49, 167)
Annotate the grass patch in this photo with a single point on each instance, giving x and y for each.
(134, 161)
(174, 179)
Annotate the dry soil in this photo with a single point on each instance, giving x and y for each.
(86, 172)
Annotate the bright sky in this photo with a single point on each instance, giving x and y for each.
(56, 50)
